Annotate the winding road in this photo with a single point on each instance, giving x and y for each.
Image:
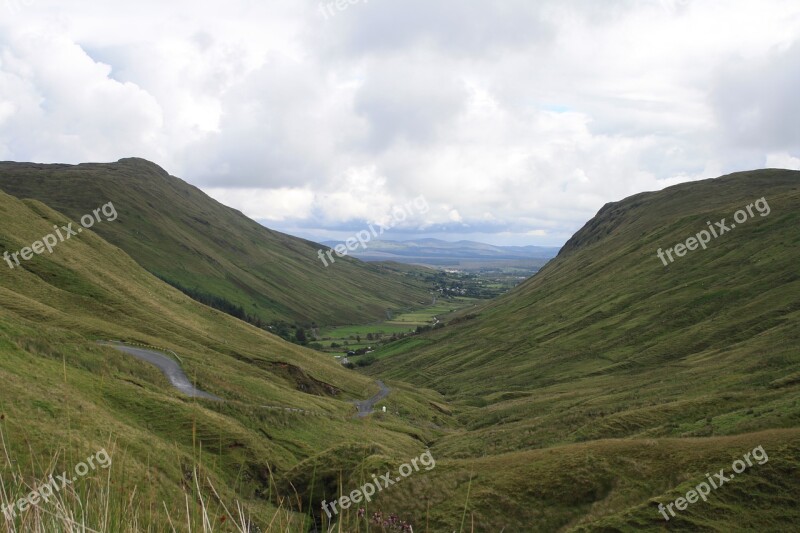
(178, 378)
(168, 367)
(365, 407)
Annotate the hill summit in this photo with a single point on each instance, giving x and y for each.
(213, 252)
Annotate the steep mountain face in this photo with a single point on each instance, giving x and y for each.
(607, 341)
(213, 252)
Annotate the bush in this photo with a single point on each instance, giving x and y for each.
(366, 361)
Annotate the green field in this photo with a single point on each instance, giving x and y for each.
(443, 310)
(403, 322)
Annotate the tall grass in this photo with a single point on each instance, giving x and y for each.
(104, 501)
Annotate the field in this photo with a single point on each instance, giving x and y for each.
(402, 322)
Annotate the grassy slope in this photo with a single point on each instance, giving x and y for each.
(566, 381)
(607, 343)
(612, 485)
(63, 395)
(177, 232)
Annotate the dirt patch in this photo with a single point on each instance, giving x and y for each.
(303, 382)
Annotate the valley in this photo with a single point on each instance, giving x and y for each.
(575, 401)
(400, 266)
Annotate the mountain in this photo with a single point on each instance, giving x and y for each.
(609, 342)
(600, 388)
(211, 251)
(444, 253)
(64, 396)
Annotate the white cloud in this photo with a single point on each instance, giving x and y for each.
(59, 104)
(272, 205)
(782, 160)
(513, 118)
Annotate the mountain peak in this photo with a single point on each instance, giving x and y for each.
(141, 164)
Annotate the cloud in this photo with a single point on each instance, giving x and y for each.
(513, 118)
(408, 99)
(457, 27)
(59, 104)
(756, 100)
(783, 160)
(271, 205)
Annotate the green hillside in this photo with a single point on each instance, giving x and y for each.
(596, 390)
(63, 396)
(608, 343)
(608, 318)
(211, 251)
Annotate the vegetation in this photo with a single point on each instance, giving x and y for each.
(607, 343)
(578, 401)
(482, 283)
(178, 233)
(64, 397)
(401, 324)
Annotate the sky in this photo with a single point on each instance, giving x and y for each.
(511, 121)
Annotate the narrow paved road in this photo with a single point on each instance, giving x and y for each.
(170, 368)
(365, 407)
(180, 381)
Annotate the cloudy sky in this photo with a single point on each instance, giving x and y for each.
(516, 120)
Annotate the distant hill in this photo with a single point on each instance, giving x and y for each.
(437, 252)
(213, 252)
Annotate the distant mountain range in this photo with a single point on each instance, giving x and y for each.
(439, 252)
